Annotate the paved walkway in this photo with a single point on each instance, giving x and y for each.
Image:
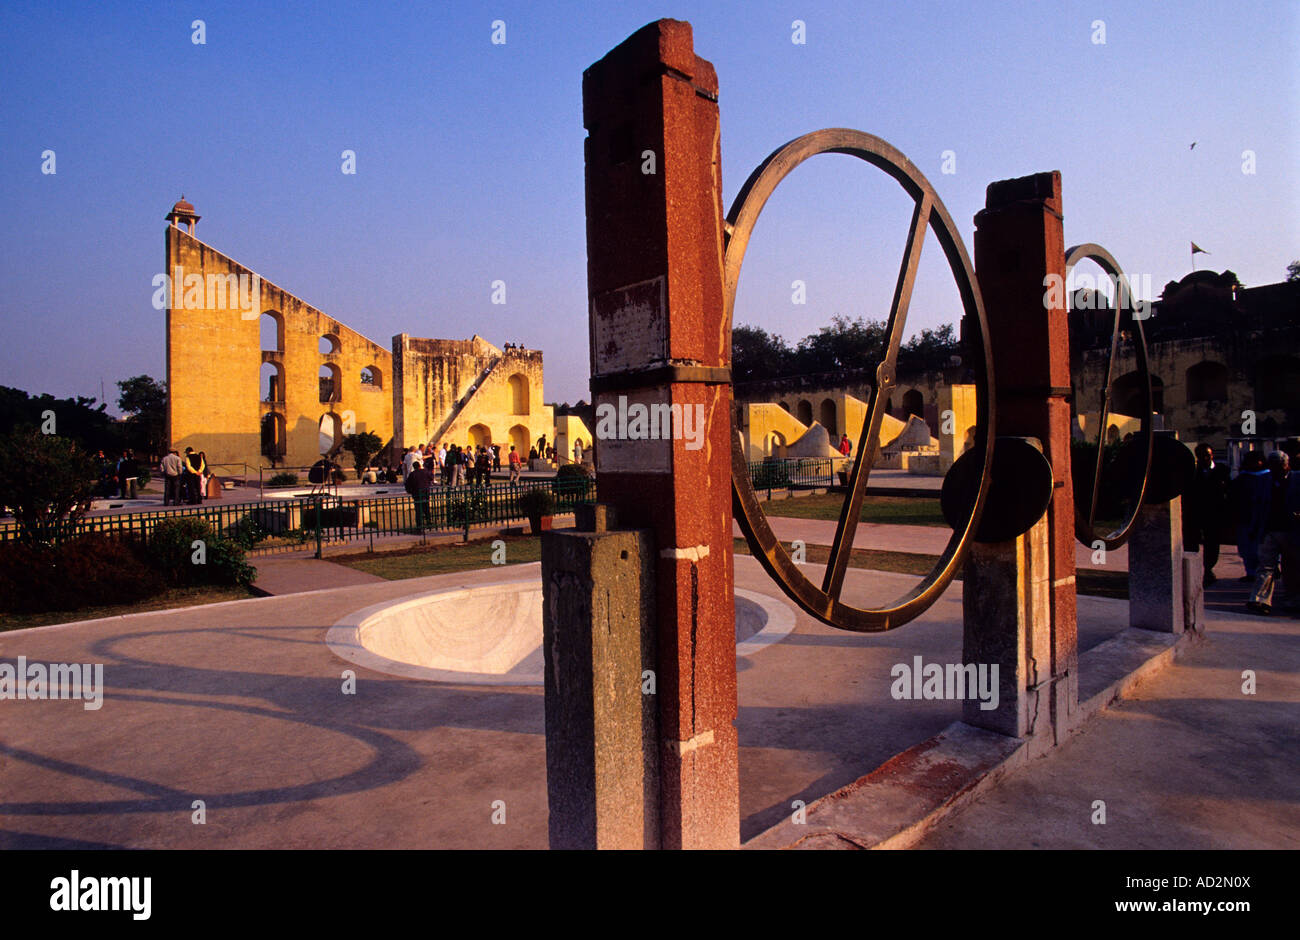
(243, 706)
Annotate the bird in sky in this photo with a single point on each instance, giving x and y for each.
(1193, 146)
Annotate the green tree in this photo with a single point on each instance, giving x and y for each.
(144, 402)
(47, 480)
(1293, 271)
(362, 447)
(845, 344)
(757, 355)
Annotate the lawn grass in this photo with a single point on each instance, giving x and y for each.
(176, 597)
(892, 510)
(444, 558)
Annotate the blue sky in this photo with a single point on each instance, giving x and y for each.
(469, 155)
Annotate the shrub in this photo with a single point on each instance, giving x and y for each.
(172, 551)
(283, 479)
(572, 471)
(88, 571)
(47, 480)
(536, 502)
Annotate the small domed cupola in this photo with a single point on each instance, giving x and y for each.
(183, 214)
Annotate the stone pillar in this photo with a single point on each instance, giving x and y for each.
(1019, 245)
(602, 777)
(1006, 602)
(659, 352)
(1155, 568)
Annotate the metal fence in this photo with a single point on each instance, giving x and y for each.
(300, 522)
(779, 473)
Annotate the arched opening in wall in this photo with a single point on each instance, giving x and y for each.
(480, 434)
(371, 377)
(329, 344)
(330, 430)
(1126, 395)
(827, 417)
(272, 383)
(519, 394)
(774, 444)
(1207, 381)
(1277, 383)
(331, 383)
(519, 438)
(273, 437)
(805, 412)
(786, 407)
(272, 330)
(913, 403)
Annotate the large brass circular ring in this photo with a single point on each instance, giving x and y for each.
(1085, 524)
(823, 602)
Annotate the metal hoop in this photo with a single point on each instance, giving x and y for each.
(1085, 526)
(824, 602)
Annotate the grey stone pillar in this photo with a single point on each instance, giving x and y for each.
(1007, 622)
(1155, 568)
(601, 730)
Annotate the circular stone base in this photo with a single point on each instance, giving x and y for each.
(492, 634)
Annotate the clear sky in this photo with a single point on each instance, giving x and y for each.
(469, 155)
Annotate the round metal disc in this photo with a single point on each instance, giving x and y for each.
(1173, 468)
(1020, 492)
(823, 600)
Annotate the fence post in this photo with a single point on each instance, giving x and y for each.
(316, 500)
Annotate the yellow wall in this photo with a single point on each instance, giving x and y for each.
(214, 365)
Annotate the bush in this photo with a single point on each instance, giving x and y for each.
(536, 502)
(283, 479)
(88, 571)
(172, 552)
(572, 471)
(47, 480)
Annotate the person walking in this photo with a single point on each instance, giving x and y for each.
(1279, 548)
(516, 464)
(418, 483)
(1204, 510)
(846, 446)
(171, 474)
(1248, 498)
(484, 466)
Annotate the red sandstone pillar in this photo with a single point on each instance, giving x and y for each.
(654, 271)
(1019, 242)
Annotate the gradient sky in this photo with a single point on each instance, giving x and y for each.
(469, 156)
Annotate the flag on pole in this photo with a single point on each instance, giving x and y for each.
(1196, 248)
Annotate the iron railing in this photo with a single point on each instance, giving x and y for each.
(779, 473)
(300, 522)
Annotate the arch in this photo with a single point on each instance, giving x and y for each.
(480, 434)
(331, 383)
(826, 415)
(913, 403)
(520, 437)
(774, 444)
(271, 326)
(329, 344)
(271, 385)
(1277, 383)
(805, 411)
(519, 394)
(1207, 381)
(371, 377)
(329, 432)
(273, 436)
(785, 406)
(1126, 395)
